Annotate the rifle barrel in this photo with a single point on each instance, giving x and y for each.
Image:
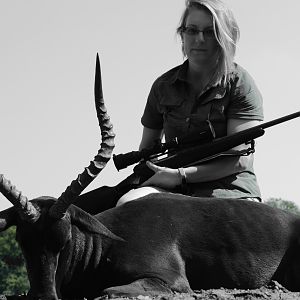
(280, 120)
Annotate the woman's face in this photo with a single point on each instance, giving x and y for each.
(199, 42)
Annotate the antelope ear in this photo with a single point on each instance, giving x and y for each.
(8, 218)
(87, 222)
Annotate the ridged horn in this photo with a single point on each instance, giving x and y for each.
(25, 209)
(100, 160)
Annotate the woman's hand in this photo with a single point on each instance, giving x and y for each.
(164, 177)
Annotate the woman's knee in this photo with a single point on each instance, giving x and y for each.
(138, 193)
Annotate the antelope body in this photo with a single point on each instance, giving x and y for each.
(161, 243)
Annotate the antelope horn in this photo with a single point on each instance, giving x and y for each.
(25, 209)
(100, 160)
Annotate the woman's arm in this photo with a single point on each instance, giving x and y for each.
(149, 137)
(209, 171)
(226, 165)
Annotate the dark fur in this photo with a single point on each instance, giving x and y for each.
(162, 243)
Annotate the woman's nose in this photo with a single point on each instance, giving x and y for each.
(200, 37)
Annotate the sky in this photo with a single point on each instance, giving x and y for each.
(49, 129)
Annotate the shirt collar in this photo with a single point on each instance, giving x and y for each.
(180, 74)
(218, 89)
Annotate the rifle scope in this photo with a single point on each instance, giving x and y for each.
(122, 161)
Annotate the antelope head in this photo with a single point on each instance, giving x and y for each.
(44, 225)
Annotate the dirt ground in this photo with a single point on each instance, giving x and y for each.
(272, 291)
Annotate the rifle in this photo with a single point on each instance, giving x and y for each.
(191, 149)
(179, 152)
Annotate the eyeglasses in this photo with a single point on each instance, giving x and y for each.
(208, 34)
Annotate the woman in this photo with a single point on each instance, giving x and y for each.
(207, 87)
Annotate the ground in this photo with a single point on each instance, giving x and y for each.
(273, 291)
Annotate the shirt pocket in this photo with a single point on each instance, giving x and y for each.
(218, 117)
(174, 116)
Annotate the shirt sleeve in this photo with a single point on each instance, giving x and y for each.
(245, 99)
(152, 116)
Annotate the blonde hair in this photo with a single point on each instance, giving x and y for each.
(226, 32)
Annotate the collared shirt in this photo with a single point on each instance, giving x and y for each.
(171, 107)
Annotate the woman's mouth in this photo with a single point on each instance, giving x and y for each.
(199, 50)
